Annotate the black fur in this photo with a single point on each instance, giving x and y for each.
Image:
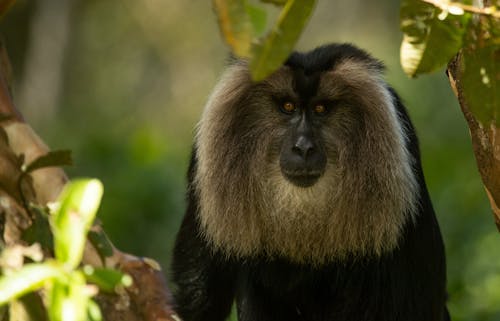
(326, 57)
(407, 284)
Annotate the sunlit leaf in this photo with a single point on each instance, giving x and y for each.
(274, 49)
(51, 159)
(258, 18)
(68, 301)
(431, 37)
(72, 219)
(94, 312)
(235, 25)
(106, 279)
(30, 278)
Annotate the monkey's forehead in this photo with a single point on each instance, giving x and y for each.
(327, 57)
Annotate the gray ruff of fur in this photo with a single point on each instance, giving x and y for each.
(359, 206)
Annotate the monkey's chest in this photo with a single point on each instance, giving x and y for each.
(285, 291)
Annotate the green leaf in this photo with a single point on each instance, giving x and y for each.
(78, 204)
(101, 243)
(258, 18)
(274, 49)
(275, 2)
(51, 159)
(39, 230)
(106, 279)
(94, 312)
(69, 300)
(235, 25)
(480, 73)
(30, 278)
(431, 38)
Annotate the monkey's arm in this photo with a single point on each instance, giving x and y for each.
(204, 280)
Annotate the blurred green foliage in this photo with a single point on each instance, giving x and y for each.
(67, 294)
(243, 27)
(135, 75)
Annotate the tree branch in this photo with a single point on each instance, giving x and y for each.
(485, 140)
(460, 7)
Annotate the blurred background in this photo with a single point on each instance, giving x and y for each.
(122, 84)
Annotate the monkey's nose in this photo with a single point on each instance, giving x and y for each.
(303, 147)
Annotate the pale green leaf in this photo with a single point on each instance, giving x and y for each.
(431, 39)
(94, 312)
(273, 50)
(30, 278)
(258, 18)
(68, 301)
(235, 25)
(73, 217)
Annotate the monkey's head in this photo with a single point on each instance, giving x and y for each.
(310, 164)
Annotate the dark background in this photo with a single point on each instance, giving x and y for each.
(123, 82)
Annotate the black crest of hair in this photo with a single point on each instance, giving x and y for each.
(405, 284)
(326, 57)
(308, 66)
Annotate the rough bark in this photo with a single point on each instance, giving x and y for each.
(147, 299)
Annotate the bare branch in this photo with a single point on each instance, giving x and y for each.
(459, 8)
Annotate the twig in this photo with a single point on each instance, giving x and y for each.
(445, 5)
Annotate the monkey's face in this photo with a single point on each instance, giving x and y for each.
(302, 155)
(310, 121)
(310, 163)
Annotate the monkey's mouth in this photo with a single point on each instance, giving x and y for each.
(302, 178)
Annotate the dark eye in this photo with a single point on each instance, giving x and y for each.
(288, 107)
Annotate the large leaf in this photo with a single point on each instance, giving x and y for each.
(30, 278)
(431, 37)
(235, 25)
(273, 50)
(73, 217)
(258, 18)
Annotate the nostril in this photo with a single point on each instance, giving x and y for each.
(303, 147)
